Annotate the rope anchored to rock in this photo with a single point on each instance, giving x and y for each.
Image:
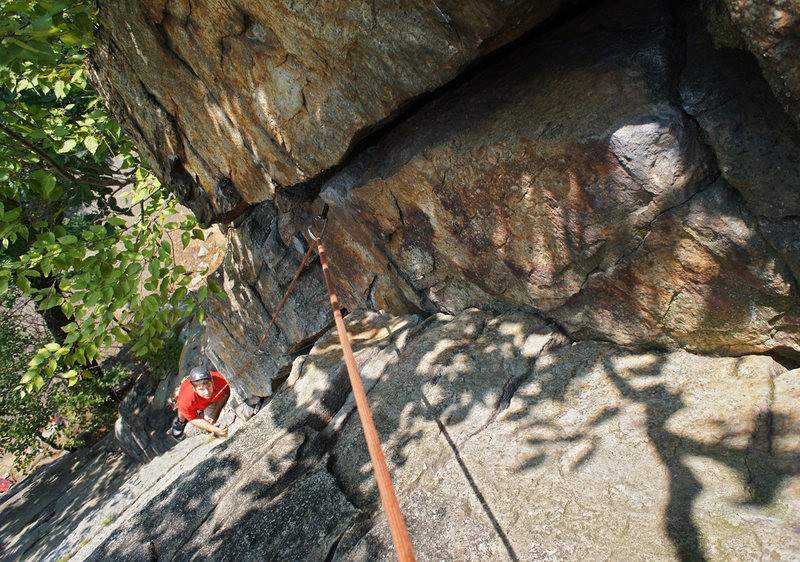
(397, 526)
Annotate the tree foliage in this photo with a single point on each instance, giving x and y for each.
(58, 416)
(84, 226)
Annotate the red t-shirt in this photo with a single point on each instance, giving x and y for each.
(190, 403)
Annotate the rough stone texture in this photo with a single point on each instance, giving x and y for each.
(757, 148)
(230, 102)
(770, 29)
(463, 370)
(254, 275)
(703, 279)
(113, 513)
(318, 385)
(504, 441)
(533, 186)
(600, 453)
(516, 186)
(50, 506)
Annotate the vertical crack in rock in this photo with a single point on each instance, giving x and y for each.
(446, 19)
(399, 209)
(669, 306)
(369, 297)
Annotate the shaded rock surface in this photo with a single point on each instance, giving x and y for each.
(771, 31)
(505, 441)
(254, 276)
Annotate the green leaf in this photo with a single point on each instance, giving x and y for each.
(198, 234)
(91, 298)
(185, 238)
(91, 144)
(60, 89)
(214, 287)
(68, 146)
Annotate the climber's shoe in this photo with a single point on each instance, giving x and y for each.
(177, 428)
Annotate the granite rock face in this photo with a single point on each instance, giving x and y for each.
(569, 253)
(594, 452)
(232, 101)
(624, 171)
(533, 186)
(504, 440)
(254, 276)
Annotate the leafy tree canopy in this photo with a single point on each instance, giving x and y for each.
(84, 226)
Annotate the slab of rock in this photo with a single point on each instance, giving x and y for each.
(230, 102)
(109, 514)
(270, 475)
(464, 370)
(49, 506)
(505, 441)
(255, 274)
(597, 452)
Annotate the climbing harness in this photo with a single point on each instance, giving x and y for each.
(397, 526)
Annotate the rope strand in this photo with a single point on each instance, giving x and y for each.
(397, 526)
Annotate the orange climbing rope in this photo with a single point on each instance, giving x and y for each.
(274, 316)
(397, 526)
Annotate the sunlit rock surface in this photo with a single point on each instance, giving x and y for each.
(233, 101)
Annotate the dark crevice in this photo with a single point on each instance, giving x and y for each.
(423, 302)
(163, 40)
(369, 297)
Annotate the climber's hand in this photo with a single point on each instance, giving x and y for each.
(221, 431)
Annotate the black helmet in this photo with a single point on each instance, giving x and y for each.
(199, 374)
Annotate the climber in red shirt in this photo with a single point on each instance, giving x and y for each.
(201, 389)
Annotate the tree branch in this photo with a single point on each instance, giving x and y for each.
(19, 138)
